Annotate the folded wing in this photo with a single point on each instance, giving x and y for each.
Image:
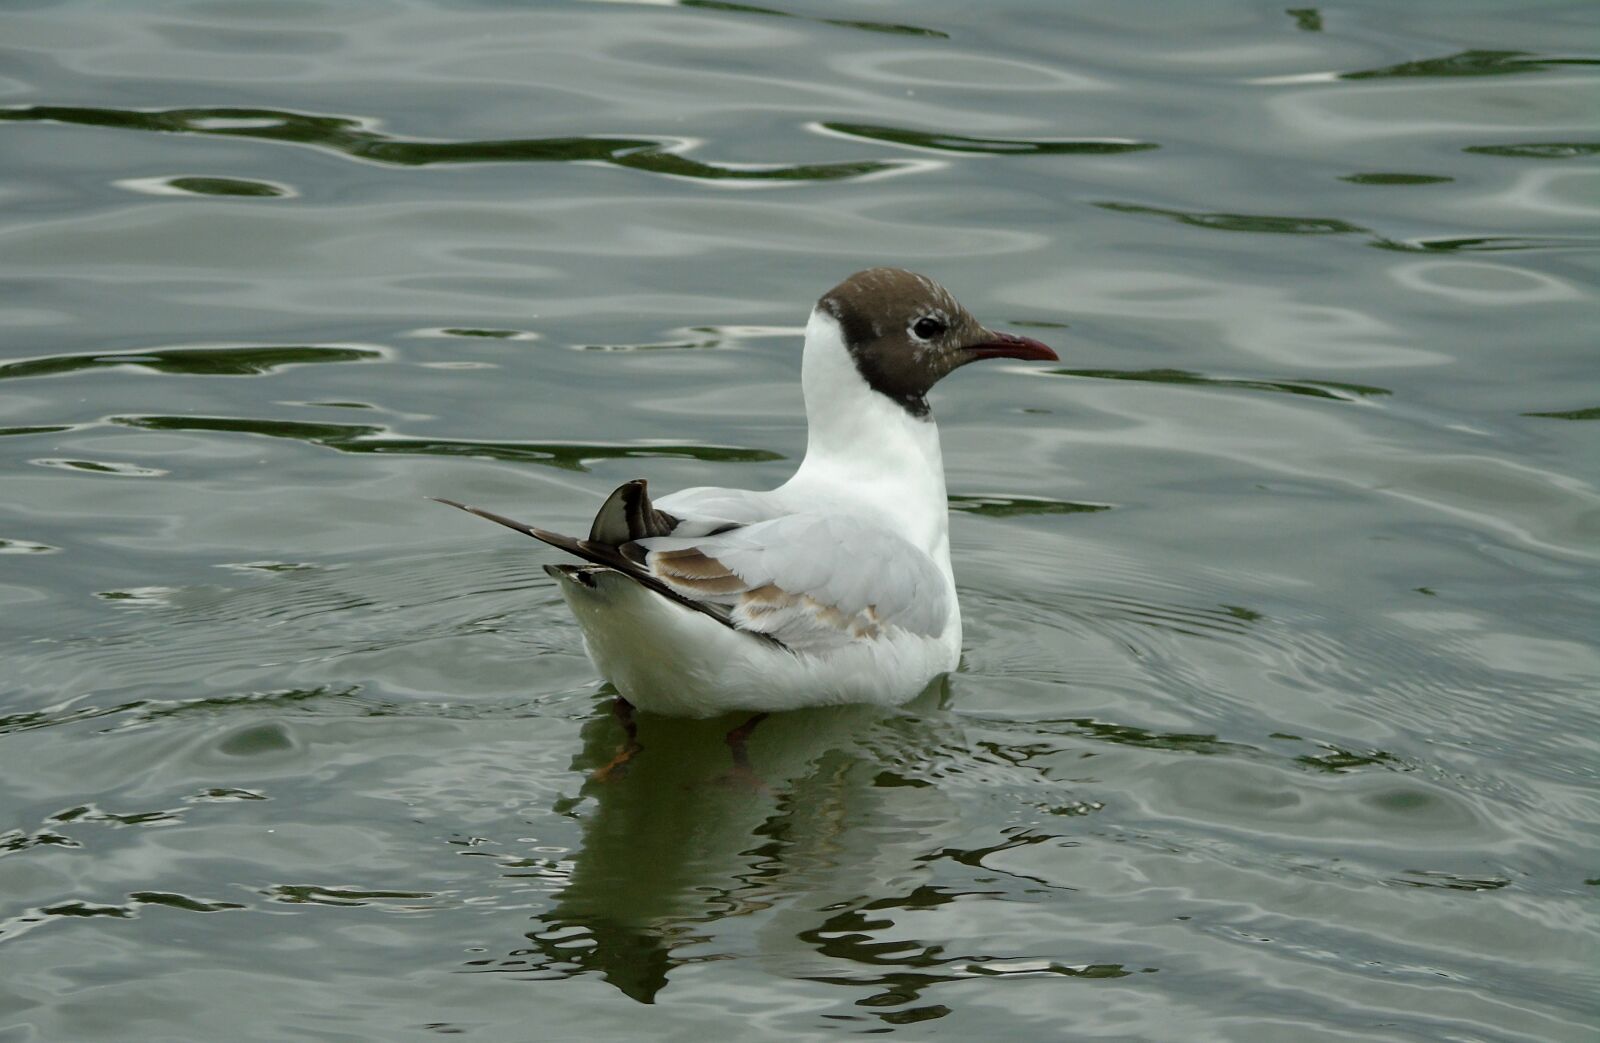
(807, 581)
(810, 581)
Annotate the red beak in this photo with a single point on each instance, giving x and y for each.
(1011, 346)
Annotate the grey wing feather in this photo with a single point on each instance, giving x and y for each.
(806, 581)
(704, 510)
(809, 580)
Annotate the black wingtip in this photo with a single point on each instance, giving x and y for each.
(625, 559)
(555, 539)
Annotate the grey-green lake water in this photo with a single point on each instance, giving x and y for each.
(1277, 716)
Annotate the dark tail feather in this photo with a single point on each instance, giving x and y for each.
(555, 539)
(627, 516)
(606, 554)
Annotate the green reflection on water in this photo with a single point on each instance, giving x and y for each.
(1541, 150)
(16, 840)
(1448, 881)
(847, 23)
(1308, 19)
(91, 813)
(1396, 179)
(1482, 244)
(991, 146)
(900, 969)
(42, 429)
(1470, 63)
(1129, 735)
(368, 438)
(272, 700)
(86, 909)
(196, 362)
(100, 467)
(1336, 760)
(184, 902)
(1313, 388)
(682, 345)
(28, 720)
(25, 547)
(223, 186)
(1243, 222)
(1593, 413)
(1010, 506)
(353, 137)
(672, 163)
(461, 331)
(1333, 226)
(301, 894)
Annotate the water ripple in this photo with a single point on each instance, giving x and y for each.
(846, 23)
(1396, 179)
(1283, 225)
(373, 438)
(944, 142)
(1471, 63)
(1275, 712)
(358, 139)
(1339, 392)
(1242, 222)
(1592, 413)
(101, 467)
(193, 185)
(996, 506)
(212, 361)
(1543, 150)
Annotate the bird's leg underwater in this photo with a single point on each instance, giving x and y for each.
(736, 739)
(623, 710)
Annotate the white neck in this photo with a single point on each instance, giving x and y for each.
(863, 450)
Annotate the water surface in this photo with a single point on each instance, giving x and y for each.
(1277, 711)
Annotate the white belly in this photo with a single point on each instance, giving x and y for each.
(671, 660)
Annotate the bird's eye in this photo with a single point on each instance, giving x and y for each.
(927, 328)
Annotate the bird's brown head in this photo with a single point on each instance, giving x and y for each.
(905, 332)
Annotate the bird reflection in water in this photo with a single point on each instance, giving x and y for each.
(677, 845)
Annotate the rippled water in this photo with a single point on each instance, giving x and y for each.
(1277, 717)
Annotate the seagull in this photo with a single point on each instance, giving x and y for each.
(836, 586)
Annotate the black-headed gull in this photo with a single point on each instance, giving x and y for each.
(834, 587)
